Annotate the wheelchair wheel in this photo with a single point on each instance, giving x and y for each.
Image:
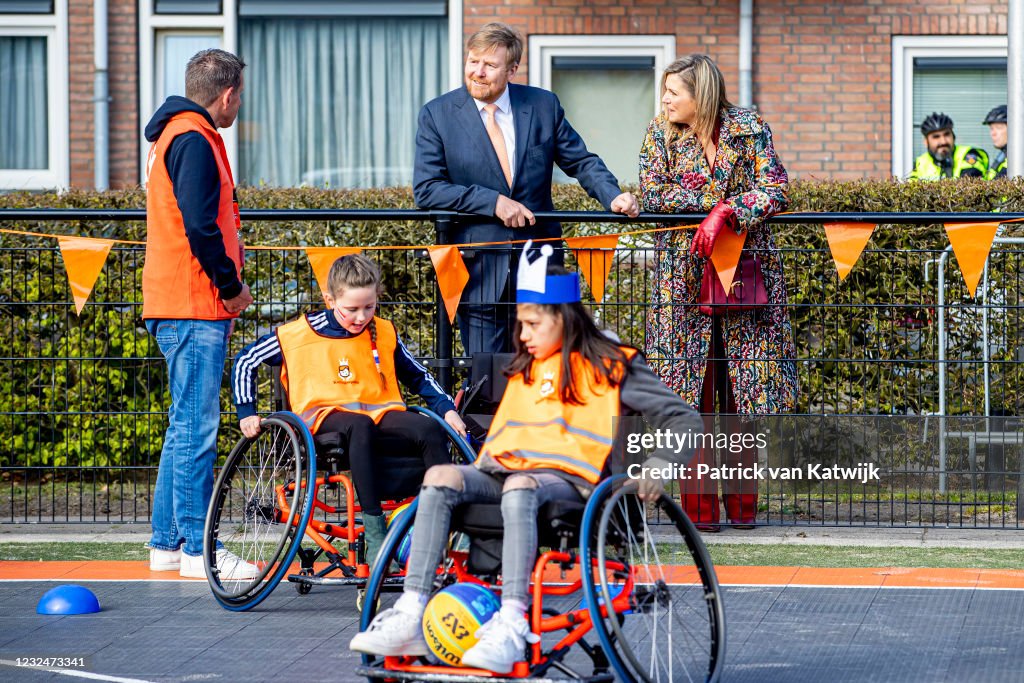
(674, 628)
(459, 449)
(383, 589)
(246, 514)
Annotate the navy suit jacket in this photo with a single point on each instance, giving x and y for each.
(457, 169)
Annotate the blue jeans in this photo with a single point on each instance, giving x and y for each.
(195, 351)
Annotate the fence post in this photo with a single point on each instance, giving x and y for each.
(443, 328)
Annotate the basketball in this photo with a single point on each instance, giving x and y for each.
(452, 618)
(402, 551)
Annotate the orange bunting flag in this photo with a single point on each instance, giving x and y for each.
(83, 260)
(452, 276)
(847, 242)
(971, 244)
(595, 256)
(322, 258)
(726, 255)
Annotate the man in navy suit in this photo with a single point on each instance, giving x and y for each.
(489, 148)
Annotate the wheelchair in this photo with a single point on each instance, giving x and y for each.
(635, 573)
(285, 485)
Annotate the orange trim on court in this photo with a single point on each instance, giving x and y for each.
(728, 575)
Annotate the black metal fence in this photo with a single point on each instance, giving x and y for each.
(83, 399)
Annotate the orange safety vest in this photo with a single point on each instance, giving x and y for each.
(322, 374)
(173, 283)
(533, 429)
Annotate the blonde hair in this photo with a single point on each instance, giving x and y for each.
(355, 271)
(495, 35)
(703, 80)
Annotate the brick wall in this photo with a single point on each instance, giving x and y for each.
(822, 70)
(700, 26)
(123, 85)
(823, 74)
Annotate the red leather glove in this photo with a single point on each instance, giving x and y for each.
(719, 217)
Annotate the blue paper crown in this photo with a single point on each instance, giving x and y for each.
(535, 286)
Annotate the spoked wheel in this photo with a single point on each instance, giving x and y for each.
(674, 626)
(259, 510)
(383, 587)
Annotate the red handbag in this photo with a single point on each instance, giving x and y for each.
(746, 293)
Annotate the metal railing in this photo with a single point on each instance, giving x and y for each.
(82, 425)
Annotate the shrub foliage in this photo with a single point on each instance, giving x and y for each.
(90, 391)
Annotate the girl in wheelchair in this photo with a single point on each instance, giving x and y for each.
(551, 439)
(341, 369)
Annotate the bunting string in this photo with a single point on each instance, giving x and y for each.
(84, 257)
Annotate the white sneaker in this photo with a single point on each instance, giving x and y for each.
(500, 645)
(164, 560)
(392, 633)
(231, 566)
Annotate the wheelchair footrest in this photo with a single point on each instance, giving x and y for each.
(342, 580)
(471, 676)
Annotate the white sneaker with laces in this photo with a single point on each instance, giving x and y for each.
(164, 560)
(501, 644)
(392, 633)
(231, 566)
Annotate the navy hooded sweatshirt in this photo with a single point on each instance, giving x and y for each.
(196, 182)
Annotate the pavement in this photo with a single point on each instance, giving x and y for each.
(847, 625)
(846, 536)
(175, 632)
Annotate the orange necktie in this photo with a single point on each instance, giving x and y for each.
(498, 140)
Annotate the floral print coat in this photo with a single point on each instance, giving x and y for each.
(759, 345)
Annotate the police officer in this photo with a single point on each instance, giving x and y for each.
(996, 122)
(945, 158)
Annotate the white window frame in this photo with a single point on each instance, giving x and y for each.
(456, 62)
(904, 50)
(150, 25)
(53, 27)
(544, 48)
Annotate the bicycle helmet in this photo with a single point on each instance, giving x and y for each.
(997, 115)
(937, 121)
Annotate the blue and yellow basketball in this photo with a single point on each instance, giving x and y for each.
(402, 552)
(452, 618)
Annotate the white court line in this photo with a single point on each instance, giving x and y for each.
(77, 674)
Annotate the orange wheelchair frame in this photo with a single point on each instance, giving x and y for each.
(271, 476)
(620, 590)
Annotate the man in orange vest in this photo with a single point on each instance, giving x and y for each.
(191, 292)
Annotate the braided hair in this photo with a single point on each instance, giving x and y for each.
(356, 271)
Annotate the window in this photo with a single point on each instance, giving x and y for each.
(170, 32)
(962, 76)
(174, 49)
(33, 97)
(609, 87)
(347, 90)
(186, 7)
(333, 87)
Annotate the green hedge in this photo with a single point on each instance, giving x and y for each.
(81, 393)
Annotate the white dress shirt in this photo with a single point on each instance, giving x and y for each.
(503, 117)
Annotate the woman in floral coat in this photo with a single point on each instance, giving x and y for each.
(701, 154)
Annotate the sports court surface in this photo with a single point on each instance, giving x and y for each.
(784, 624)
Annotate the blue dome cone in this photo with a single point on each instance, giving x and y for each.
(69, 599)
